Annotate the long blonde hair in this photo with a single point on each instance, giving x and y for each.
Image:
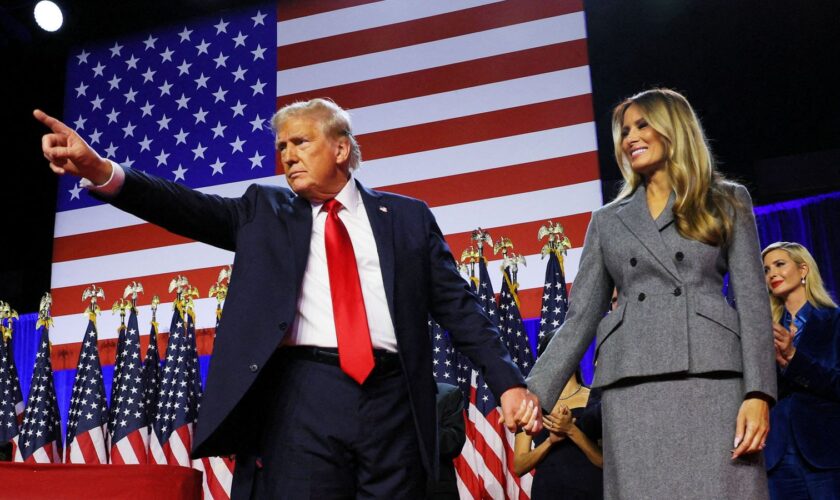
(705, 201)
(815, 291)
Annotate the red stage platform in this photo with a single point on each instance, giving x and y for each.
(71, 481)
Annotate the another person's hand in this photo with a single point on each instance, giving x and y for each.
(520, 408)
(558, 423)
(553, 436)
(783, 341)
(751, 427)
(560, 420)
(68, 153)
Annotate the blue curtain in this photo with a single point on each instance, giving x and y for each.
(813, 222)
(25, 347)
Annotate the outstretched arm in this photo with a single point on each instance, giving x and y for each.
(207, 218)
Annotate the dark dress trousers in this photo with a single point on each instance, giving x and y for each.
(269, 229)
(806, 420)
(451, 438)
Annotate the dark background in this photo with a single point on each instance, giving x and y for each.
(762, 75)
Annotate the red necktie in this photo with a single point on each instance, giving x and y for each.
(355, 353)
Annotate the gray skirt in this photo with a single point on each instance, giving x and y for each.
(670, 438)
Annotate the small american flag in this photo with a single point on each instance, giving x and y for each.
(87, 420)
(171, 439)
(40, 432)
(129, 427)
(10, 396)
(555, 301)
(13, 374)
(511, 327)
(119, 361)
(151, 375)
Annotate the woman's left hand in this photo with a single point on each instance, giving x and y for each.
(751, 427)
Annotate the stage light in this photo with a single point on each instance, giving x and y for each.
(48, 15)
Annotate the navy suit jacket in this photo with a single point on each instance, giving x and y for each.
(269, 229)
(808, 409)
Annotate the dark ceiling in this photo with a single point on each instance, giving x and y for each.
(760, 73)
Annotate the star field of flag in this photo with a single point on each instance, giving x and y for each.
(41, 424)
(512, 328)
(151, 375)
(88, 406)
(191, 105)
(118, 373)
(128, 407)
(555, 301)
(179, 387)
(10, 397)
(484, 399)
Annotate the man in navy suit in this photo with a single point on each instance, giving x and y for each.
(314, 401)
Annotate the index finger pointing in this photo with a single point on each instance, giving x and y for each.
(54, 124)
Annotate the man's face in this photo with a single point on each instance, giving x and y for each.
(315, 165)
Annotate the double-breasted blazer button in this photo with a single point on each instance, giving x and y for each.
(677, 292)
(254, 367)
(680, 256)
(633, 261)
(282, 326)
(641, 297)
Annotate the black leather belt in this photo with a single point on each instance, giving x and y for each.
(386, 361)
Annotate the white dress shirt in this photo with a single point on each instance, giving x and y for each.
(314, 323)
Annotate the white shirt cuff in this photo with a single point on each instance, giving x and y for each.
(109, 188)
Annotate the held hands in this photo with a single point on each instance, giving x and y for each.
(783, 342)
(520, 408)
(751, 427)
(68, 153)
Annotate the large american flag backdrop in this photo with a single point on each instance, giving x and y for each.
(482, 108)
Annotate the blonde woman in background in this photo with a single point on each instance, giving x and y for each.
(803, 449)
(687, 380)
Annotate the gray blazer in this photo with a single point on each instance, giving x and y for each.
(672, 317)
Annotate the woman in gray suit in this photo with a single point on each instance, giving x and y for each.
(687, 380)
